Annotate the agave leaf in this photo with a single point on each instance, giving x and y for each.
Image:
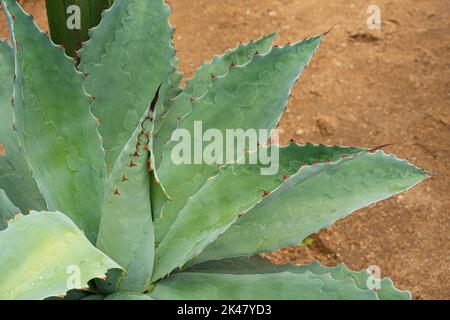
(56, 129)
(44, 254)
(127, 58)
(127, 213)
(15, 177)
(174, 87)
(220, 65)
(386, 291)
(7, 210)
(266, 286)
(90, 15)
(256, 264)
(240, 265)
(313, 199)
(251, 96)
(226, 197)
(199, 84)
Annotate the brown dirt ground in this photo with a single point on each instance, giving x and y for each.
(363, 88)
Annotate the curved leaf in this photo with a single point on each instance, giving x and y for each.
(227, 196)
(386, 290)
(15, 177)
(173, 87)
(7, 210)
(270, 286)
(126, 230)
(240, 265)
(251, 96)
(56, 129)
(199, 84)
(127, 58)
(72, 38)
(259, 265)
(220, 65)
(44, 254)
(313, 199)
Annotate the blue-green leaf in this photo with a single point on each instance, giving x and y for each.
(44, 254)
(15, 177)
(127, 58)
(56, 129)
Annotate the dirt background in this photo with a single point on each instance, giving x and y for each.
(363, 88)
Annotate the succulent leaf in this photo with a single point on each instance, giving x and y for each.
(15, 177)
(256, 264)
(199, 84)
(252, 96)
(127, 58)
(40, 252)
(7, 210)
(387, 290)
(265, 286)
(71, 38)
(174, 83)
(127, 212)
(226, 197)
(313, 199)
(56, 129)
(220, 65)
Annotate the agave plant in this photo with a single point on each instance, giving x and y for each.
(93, 207)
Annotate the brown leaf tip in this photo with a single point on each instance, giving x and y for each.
(380, 147)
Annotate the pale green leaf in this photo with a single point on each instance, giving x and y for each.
(127, 58)
(270, 286)
(44, 254)
(227, 196)
(252, 96)
(15, 178)
(198, 85)
(126, 229)
(313, 199)
(56, 129)
(7, 210)
(383, 288)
